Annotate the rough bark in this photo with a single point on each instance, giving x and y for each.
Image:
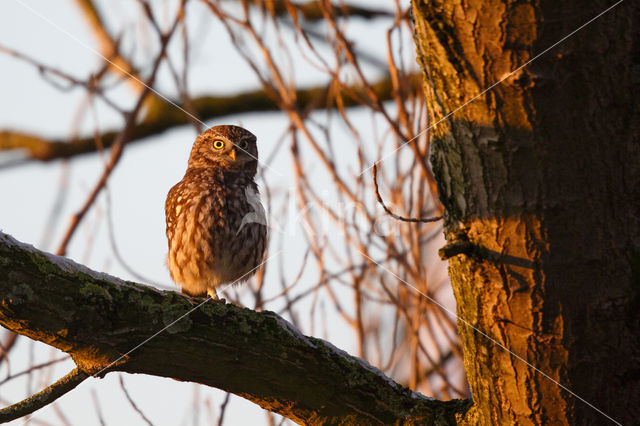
(257, 355)
(539, 178)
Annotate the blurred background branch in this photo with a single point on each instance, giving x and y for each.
(162, 116)
(328, 88)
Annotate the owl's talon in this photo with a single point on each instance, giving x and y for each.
(211, 292)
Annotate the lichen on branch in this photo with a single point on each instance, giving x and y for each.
(97, 319)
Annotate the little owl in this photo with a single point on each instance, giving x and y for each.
(215, 223)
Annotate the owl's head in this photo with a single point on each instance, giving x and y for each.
(228, 147)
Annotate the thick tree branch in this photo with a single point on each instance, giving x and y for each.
(163, 116)
(97, 318)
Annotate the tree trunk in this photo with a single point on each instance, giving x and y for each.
(540, 181)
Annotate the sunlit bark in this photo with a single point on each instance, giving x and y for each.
(107, 325)
(539, 178)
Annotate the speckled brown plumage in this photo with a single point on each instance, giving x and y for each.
(209, 242)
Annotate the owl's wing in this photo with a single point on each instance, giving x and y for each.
(172, 207)
(258, 215)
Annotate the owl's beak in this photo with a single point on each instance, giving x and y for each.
(232, 154)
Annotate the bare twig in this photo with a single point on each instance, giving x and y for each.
(7, 345)
(223, 408)
(48, 72)
(119, 144)
(44, 397)
(109, 46)
(133, 404)
(393, 215)
(32, 369)
(96, 404)
(162, 117)
(312, 10)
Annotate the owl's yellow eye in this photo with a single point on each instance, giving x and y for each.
(244, 144)
(218, 144)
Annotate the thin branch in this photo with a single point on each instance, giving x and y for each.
(123, 138)
(389, 212)
(32, 369)
(109, 46)
(223, 408)
(44, 397)
(312, 10)
(6, 346)
(91, 84)
(96, 404)
(163, 116)
(133, 404)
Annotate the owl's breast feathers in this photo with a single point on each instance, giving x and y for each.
(209, 243)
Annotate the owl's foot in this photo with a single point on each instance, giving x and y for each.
(214, 296)
(211, 292)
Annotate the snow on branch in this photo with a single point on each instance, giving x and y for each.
(99, 319)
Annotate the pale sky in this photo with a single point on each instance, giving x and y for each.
(138, 187)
